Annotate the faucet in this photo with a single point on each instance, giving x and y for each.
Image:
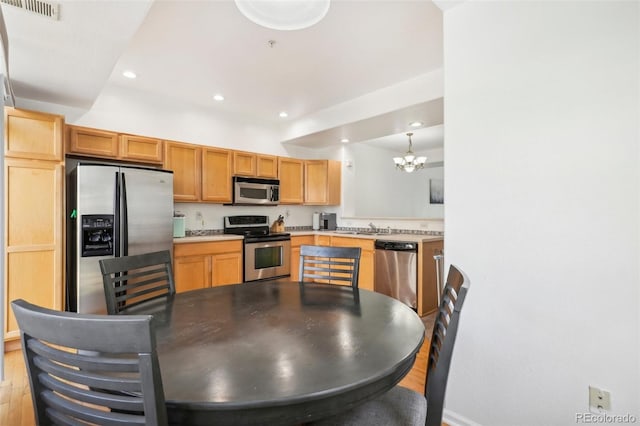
(373, 227)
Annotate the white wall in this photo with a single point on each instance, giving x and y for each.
(542, 213)
(374, 188)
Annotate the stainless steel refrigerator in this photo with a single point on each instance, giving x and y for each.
(112, 211)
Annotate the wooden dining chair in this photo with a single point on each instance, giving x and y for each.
(339, 265)
(402, 406)
(91, 369)
(131, 280)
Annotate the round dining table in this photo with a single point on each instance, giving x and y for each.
(278, 352)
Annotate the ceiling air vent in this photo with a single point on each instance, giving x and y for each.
(42, 8)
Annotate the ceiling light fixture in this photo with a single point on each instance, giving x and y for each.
(129, 74)
(416, 124)
(409, 162)
(283, 114)
(284, 14)
(218, 97)
(344, 140)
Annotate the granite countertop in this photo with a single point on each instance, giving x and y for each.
(418, 238)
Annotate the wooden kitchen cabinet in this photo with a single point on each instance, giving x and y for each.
(244, 163)
(216, 175)
(98, 143)
(267, 166)
(291, 174)
(250, 164)
(323, 240)
(427, 276)
(322, 181)
(33, 135)
(367, 258)
(367, 255)
(207, 264)
(34, 212)
(296, 242)
(92, 142)
(185, 162)
(140, 148)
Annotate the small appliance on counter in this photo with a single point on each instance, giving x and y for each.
(316, 221)
(328, 221)
(178, 225)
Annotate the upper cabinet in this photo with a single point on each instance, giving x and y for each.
(200, 173)
(184, 160)
(267, 166)
(106, 144)
(322, 180)
(216, 175)
(244, 163)
(33, 135)
(291, 174)
(141, 148)
(251, 164)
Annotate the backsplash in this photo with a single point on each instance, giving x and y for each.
(207, 219)
(206, 232)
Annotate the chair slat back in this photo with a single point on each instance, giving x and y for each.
(442, 342)
(131, 280)
(96, 369)
(338, 265)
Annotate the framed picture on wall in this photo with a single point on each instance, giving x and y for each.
(436, 191)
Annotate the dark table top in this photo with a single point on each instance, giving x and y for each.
(278, 352)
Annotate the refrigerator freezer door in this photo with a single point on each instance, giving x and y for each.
(147, 217)
(96, 193)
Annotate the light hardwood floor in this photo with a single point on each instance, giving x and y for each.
(16, 408)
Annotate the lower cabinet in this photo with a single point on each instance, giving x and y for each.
(296, 242)
(207, 264)
(367, 255)
(367, 258)
(428, 276)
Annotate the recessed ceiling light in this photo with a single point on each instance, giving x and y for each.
(129, 74)
(344, 140)
(283, 114)
(218, 97)
(416, 124)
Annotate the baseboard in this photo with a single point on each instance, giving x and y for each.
(454, 419)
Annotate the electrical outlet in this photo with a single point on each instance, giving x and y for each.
(599, 400)
(199, 218)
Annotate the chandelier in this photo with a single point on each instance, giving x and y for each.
(409, 162)
(284, 14)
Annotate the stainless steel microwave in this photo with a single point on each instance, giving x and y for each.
(247, 191)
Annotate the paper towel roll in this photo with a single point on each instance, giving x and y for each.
(316, 221)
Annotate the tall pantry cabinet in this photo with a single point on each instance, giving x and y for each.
(34, 211)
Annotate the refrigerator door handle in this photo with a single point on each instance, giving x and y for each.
(125, 218)
(116, 222)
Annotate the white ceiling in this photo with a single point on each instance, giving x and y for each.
(189, 50)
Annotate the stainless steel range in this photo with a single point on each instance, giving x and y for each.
(266, 255)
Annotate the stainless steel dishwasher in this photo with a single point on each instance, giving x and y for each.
(396, 271)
